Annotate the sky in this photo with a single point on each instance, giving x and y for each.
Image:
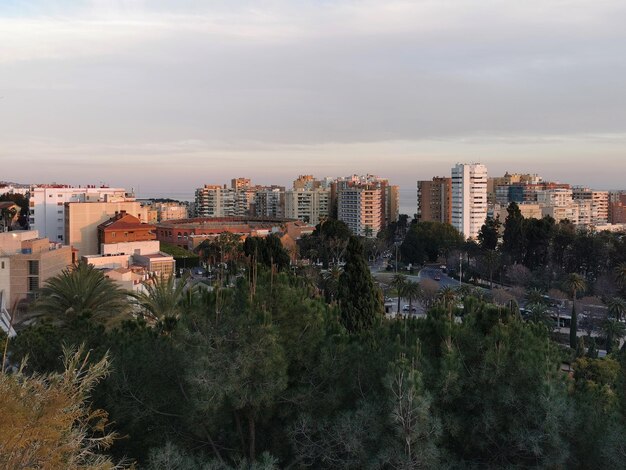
(164, 96)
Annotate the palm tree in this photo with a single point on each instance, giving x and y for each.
(412, 291)
(447, 297)
(162, 300)
(330, 282)
(617, 307)
(614, 330)
(620, 274)
(398, 282)
(81, 290)
(539, 313)
(574, 283)
(535, 296)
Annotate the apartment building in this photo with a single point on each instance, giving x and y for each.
(83, 218)
(27, 262)
(269, 202)
(215, 201)
(599, 204)
(240, 183)
(617, 207)
(361, 208)
(309, 206)
(434, 200)
(469, 198)
(509, 179)
(47, 205)
(169, 211)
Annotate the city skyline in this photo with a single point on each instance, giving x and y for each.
(163, 96)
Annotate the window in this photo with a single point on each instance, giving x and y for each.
(33, 268)
(2, 265)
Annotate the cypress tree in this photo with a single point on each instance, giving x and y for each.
(360, 300)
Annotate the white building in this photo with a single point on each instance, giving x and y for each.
(215, 201)
(269, 202)
(47, 211)
(469, 198)
(599, 204)
(307, 205)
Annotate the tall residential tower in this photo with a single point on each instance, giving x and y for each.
(469, 198)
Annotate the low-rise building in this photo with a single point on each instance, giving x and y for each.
(124, 228)
(27, 262)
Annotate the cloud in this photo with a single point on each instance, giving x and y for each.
(310, 84)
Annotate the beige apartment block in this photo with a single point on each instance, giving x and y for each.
(559, 213)
(27, 262)
(528, 211)
(360, 207)
(599, 203)
(82, 220)
(309, 206)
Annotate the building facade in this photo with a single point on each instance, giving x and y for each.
(47, 206)
(469, 198)
(434, 200)
(309, 206)
(360, 207)
(82, 220)
(27, 262)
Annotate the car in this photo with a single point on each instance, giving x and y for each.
(412, 309)
(437, 277)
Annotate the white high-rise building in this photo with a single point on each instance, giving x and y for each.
(469, 198)
(215, 201)
(47, 206)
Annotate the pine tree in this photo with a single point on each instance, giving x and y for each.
(360, 300)
(513, 237)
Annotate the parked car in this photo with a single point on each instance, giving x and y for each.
(406, 308)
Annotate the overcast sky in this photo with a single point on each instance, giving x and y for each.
(165, 96)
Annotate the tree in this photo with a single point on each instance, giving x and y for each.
(537, 236)
(81, 290)
(513, 236)
(617, 307)
(427, 241)
(398, 282)
(47, 422)
(573, 284)
(412, 291)
(448, 297)
(267, 251)
(502, 400)
(539, 313)
(161, 300)
(330, 283)
(620, 274)
(360, 300)
(491, 260)
(535, 296)
(489, 234)
(415, 430)
(614, 330)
